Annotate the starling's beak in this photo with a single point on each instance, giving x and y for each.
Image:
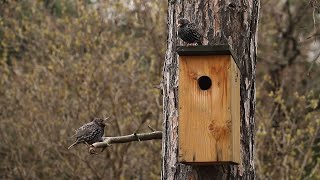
(104, 121)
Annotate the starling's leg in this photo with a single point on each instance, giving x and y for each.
(90, 145)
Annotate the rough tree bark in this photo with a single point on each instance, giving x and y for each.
(222, 22)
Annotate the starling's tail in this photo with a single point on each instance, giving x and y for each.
(75, 143)
(73, 135)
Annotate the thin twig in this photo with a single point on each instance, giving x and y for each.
(306, 155)
(107, 141)
(151, 128)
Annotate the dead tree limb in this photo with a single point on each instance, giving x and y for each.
(107, 141)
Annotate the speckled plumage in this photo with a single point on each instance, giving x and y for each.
(90, 133)
(189, 32)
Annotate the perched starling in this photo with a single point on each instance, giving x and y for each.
(90, 133)
(188, 32)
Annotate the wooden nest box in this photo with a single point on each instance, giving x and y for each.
(209, 105)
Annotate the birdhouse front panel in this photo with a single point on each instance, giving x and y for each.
(209, 109)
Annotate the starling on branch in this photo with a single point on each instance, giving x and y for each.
(90, 133)
(189, 32)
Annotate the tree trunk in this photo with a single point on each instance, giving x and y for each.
(222, 22)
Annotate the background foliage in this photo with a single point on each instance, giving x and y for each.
(288, 91)
(63, 62)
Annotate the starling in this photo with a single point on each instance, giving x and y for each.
(188, 32)
(90, 133)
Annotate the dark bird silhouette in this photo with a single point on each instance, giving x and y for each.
(189, 32)
(90, 133)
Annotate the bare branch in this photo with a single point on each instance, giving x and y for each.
(107, 141)
(151, 128)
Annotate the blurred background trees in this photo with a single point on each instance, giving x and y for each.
(288, 91)
(63, 62)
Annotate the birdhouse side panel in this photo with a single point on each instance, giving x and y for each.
(235, 110)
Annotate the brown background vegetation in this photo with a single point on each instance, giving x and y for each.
(64, 62)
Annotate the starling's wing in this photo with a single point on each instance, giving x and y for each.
(85, 129)
(194, 31)
(193, 27)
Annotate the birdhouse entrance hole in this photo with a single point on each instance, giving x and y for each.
(204, 82)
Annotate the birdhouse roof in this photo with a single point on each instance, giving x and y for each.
(205, 51)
